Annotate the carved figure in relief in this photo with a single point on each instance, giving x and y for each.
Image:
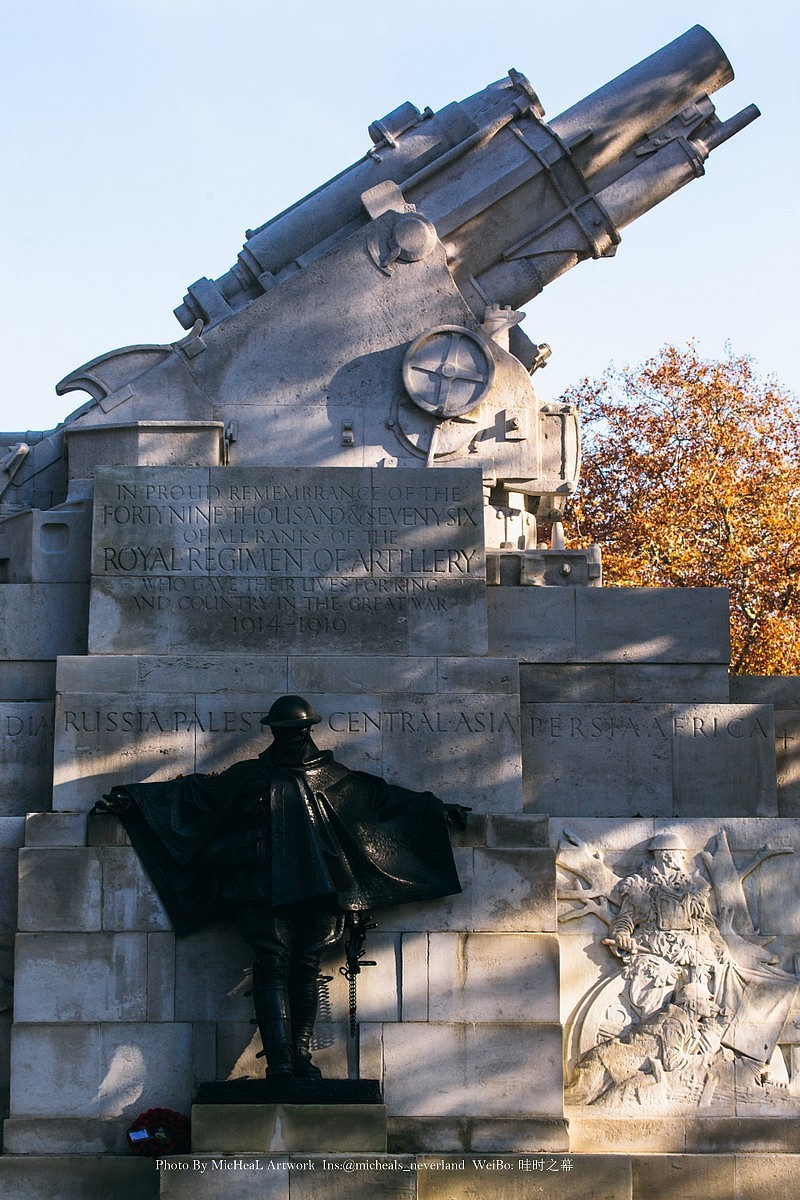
(292, 845)
(664, 930)
(698, 1007)
(684, 1036)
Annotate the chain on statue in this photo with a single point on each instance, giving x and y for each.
(355, 948)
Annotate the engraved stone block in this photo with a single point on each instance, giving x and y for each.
(462, 745)
(648, 759)
(723, 761)
(227, 728)
(466, 747)
(363, 560)
(26, 750)
(595, 759)
(108, 738)
(787, 743)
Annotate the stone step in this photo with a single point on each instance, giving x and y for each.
(549, 1175)
(741, 1173)
(78, 1177)
(296, 1128)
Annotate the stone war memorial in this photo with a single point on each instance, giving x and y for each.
(346, 815)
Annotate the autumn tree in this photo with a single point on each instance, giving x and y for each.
(691, 478)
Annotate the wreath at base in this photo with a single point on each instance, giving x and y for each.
(159, 1131)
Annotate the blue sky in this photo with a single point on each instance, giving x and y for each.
(142, 137)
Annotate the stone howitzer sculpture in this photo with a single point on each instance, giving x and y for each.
(376, 322)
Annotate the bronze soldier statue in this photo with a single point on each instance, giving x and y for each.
(290, 845)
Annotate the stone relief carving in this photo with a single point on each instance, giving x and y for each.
(690, 1009)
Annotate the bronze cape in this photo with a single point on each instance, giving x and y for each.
(262, 832)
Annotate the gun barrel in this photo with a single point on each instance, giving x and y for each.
(516, 201)
(602, 164)
(640, 100)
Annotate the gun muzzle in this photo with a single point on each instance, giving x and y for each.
(606, 125)
(603, 163)
(720, 131)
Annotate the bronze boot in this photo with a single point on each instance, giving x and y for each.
(303, 998)
(273, 1018)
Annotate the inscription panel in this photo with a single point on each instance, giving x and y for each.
(649, 759)
(787, 743)
(462, 745)
(355, 559)
(26, 748)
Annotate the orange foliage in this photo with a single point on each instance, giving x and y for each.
(691, 478)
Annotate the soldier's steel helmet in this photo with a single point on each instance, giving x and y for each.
(291, 712)
(667, 841)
